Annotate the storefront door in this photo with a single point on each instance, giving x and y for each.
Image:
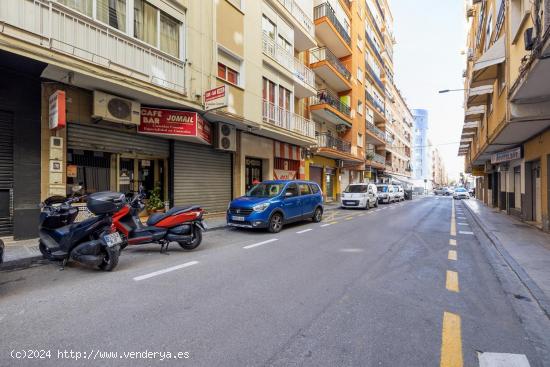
(6, 172)
(146, 173)
(536, 190)
(253, 172)
(330, 177)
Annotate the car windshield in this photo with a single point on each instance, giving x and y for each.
(357, 189)
(461, 190)
(265, 190)
(382, 188)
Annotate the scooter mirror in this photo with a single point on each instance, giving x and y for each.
(76, 188)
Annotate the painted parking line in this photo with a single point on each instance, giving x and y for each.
(452, 242)
(164, 271)
(260, 243)
(451, 341)
(304, 231)
(488, 359)
(461, 217)
(452, 281)
(465, 232)
(452, 255)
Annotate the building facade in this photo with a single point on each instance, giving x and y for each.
(421, 153)
(439, 172)
(505, 136)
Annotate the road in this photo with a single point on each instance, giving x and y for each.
(393, 287)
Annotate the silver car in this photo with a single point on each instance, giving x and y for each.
(360, 195)
(386, 193)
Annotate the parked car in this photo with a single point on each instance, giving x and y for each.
(360, 195)
(1, 251)
(386, 193)
(461, 193)
(271, 204)
(399, 193)
(444, 191)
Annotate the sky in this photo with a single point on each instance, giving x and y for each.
(430, 35)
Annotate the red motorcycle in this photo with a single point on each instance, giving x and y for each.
(183, 225)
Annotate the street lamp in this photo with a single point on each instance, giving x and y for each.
(450, 90)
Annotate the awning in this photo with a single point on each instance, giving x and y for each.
(478, 96)
(486, 66)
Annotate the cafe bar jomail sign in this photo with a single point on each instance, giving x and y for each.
(180, 125)
(506, 156)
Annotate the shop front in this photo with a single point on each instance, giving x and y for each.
(254, 162)
(289, 164)
(324, 171)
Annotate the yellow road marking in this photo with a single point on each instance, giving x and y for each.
(453, 222)
(451, 341)
(452, 242)
(361, 215)
(349, 218)
(452, 281)
(452, 255)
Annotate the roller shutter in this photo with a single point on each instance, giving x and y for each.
(97, 138)
(6, 173)
(202, 176)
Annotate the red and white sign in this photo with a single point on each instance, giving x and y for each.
(57, 112)
(281, 174)
(182, 125)
(215, 98)
(287, 151)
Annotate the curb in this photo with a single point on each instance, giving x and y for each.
(522, 275)
(22, 263)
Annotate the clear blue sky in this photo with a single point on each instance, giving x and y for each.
(430, 36)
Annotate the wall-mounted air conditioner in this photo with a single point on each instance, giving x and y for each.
(115, 109)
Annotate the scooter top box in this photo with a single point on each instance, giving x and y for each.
(105, 202)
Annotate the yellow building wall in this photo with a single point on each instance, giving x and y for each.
(539, 148)
(230, 27)
(324, 162)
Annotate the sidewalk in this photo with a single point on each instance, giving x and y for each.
(525, 248)
(23, 253)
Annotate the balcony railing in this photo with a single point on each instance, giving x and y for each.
(324, 54)
(288, 61)
(325, 10)
(326, 96)
(373, 46)
(378, 158)
(288, 120)
(298, 14)
(63, 30)
(374, 76)
(325, 140)
(376, 131)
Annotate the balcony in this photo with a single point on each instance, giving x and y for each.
(287, 120)
(330, 69)
(374, 76)
(304, 28)
(325, 140)
(375, 135)
(326, 106)
(330, 31)
(304, 77)
(63, 31)
(374, 48)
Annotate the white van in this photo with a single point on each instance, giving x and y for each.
(361, 195)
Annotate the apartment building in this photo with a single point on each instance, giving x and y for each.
(505, 138)
(439, 173)
(399, 134)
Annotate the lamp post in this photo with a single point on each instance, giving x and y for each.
(450, 90)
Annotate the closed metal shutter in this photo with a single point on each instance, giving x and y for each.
(202, 176)
(316, 175)
(96, 138)
(6, 173)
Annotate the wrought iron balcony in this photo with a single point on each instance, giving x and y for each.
(324, 54)
(379, 158)
(325, 10)
(374, 48)
(325, 140)
(374, 76)
(326, 96)
(288, 120)
(376, 131)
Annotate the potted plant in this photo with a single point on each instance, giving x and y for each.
(155, 203)
(370, 156)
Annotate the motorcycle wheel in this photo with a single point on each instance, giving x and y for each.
(44, 251)
(110, 260)
(197, 239)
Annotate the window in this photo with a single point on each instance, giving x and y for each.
(285, 45)
(304, 189)
(360, 107)
(145, 22)
(83, 6)
(360, 75)
(314, 188)
(112, 12)
(228, 74)
(284, 98)
(268, 27)
(268, 90)
(169, 35)
(359, 42)
(293, 188)
(488, 30)
(360, 140)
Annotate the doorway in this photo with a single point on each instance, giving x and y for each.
(330, 177)
(495, 188)
(536, 197)
(6, 173)
(253, 172)
(147, 173)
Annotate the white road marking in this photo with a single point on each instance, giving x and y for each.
(325, 225)
(502, 360)
(463, 224)
(465, 232)
(377, 210)
(260, 243)
(304, 231)
(164, 271)
(461, 217)
(351, 250)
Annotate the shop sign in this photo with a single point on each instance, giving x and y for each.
(505, 156)
(281, 174)
(181, 125)
(123, 179)
(215, 98)
(478, 171)
(57, 113)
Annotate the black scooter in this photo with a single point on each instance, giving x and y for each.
(92, 242)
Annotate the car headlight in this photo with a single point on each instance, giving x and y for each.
(260, 207)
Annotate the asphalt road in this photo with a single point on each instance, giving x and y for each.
(363, 288)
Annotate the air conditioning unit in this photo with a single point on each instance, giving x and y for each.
(226, 137)
(115, 109)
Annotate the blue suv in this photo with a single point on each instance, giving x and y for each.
(271, 204)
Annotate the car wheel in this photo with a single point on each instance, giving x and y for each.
(367, 205)
(317, 215)
(376, 203)
(275, 223)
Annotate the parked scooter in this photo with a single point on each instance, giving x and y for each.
(92, 242)
(183, 225)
